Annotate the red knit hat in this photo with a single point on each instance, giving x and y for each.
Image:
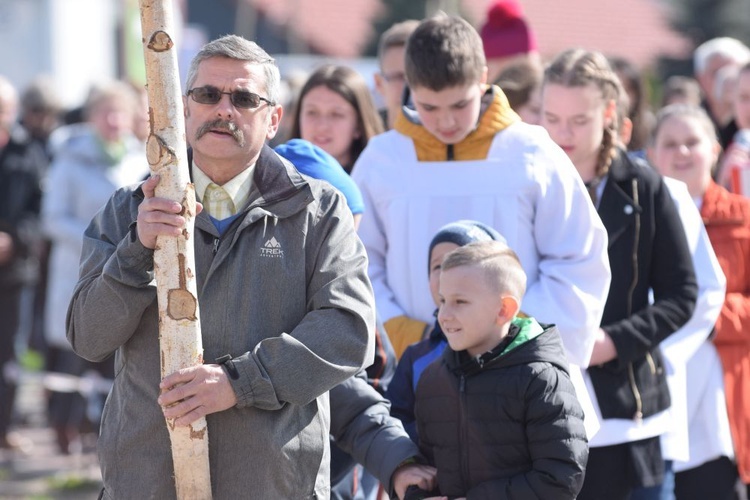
(505, 33)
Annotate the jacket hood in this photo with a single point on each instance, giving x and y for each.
(278, 186)
(516, 349)
(495, 115)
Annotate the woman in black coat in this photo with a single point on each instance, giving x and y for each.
(648, 251)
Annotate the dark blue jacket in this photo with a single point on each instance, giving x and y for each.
(403, 385)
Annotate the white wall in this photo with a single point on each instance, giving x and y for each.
(83, 49)
(73, 41)
(24, 40)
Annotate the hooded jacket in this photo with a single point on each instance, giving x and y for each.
(495, 115)
(284, 291)
(506, 424)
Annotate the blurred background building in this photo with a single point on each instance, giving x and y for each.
(78, 42)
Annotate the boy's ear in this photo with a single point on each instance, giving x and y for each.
(485, 72)
(509, 308)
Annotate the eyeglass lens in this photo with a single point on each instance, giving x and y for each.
(239, 98)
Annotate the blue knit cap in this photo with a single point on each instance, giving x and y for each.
(464, 232)
(311, 160)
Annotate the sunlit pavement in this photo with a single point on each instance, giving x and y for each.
(35, 470)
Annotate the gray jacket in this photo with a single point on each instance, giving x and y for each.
(284, 291)
(362, 426)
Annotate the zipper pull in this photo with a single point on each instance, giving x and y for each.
(462, 384)
(216, 245)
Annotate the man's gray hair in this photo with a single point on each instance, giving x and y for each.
(240, 49)
(725, 46)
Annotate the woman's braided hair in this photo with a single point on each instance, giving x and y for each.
(577, 68)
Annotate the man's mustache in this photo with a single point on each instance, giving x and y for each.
(225, 125)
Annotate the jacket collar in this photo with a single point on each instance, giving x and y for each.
(720, 207)
(622, 167)
(514, 349)
(278, 189)
(495, 115)
(617, 207)
(276, 180)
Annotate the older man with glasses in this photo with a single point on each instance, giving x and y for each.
(286, 305)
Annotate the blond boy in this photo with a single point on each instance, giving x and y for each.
(497, 414)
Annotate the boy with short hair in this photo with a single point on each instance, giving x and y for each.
(497, 414)
(416, 357)
(463, 153)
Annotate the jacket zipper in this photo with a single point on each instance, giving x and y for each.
(464, 429)
(638, 416)
(216, 245)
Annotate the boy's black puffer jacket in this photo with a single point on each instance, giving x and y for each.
(508, 425)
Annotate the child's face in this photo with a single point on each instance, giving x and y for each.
(449, 114)
(575, 118)
(471, 311)
(684, 150)
(436, 260)
(330, 122)
(742, 100)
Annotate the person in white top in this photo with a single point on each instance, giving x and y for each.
(648, 252)
(489, 167)
(684, 146)
(462, 153)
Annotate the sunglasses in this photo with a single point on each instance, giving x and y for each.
(240, 98)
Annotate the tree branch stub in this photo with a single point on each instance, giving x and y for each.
(160, 42)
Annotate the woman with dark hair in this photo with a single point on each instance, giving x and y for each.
(335, 111)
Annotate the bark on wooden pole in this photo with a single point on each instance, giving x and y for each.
(174, 258)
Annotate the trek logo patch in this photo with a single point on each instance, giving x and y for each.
(272, 248)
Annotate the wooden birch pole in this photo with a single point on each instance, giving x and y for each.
(174, 257)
